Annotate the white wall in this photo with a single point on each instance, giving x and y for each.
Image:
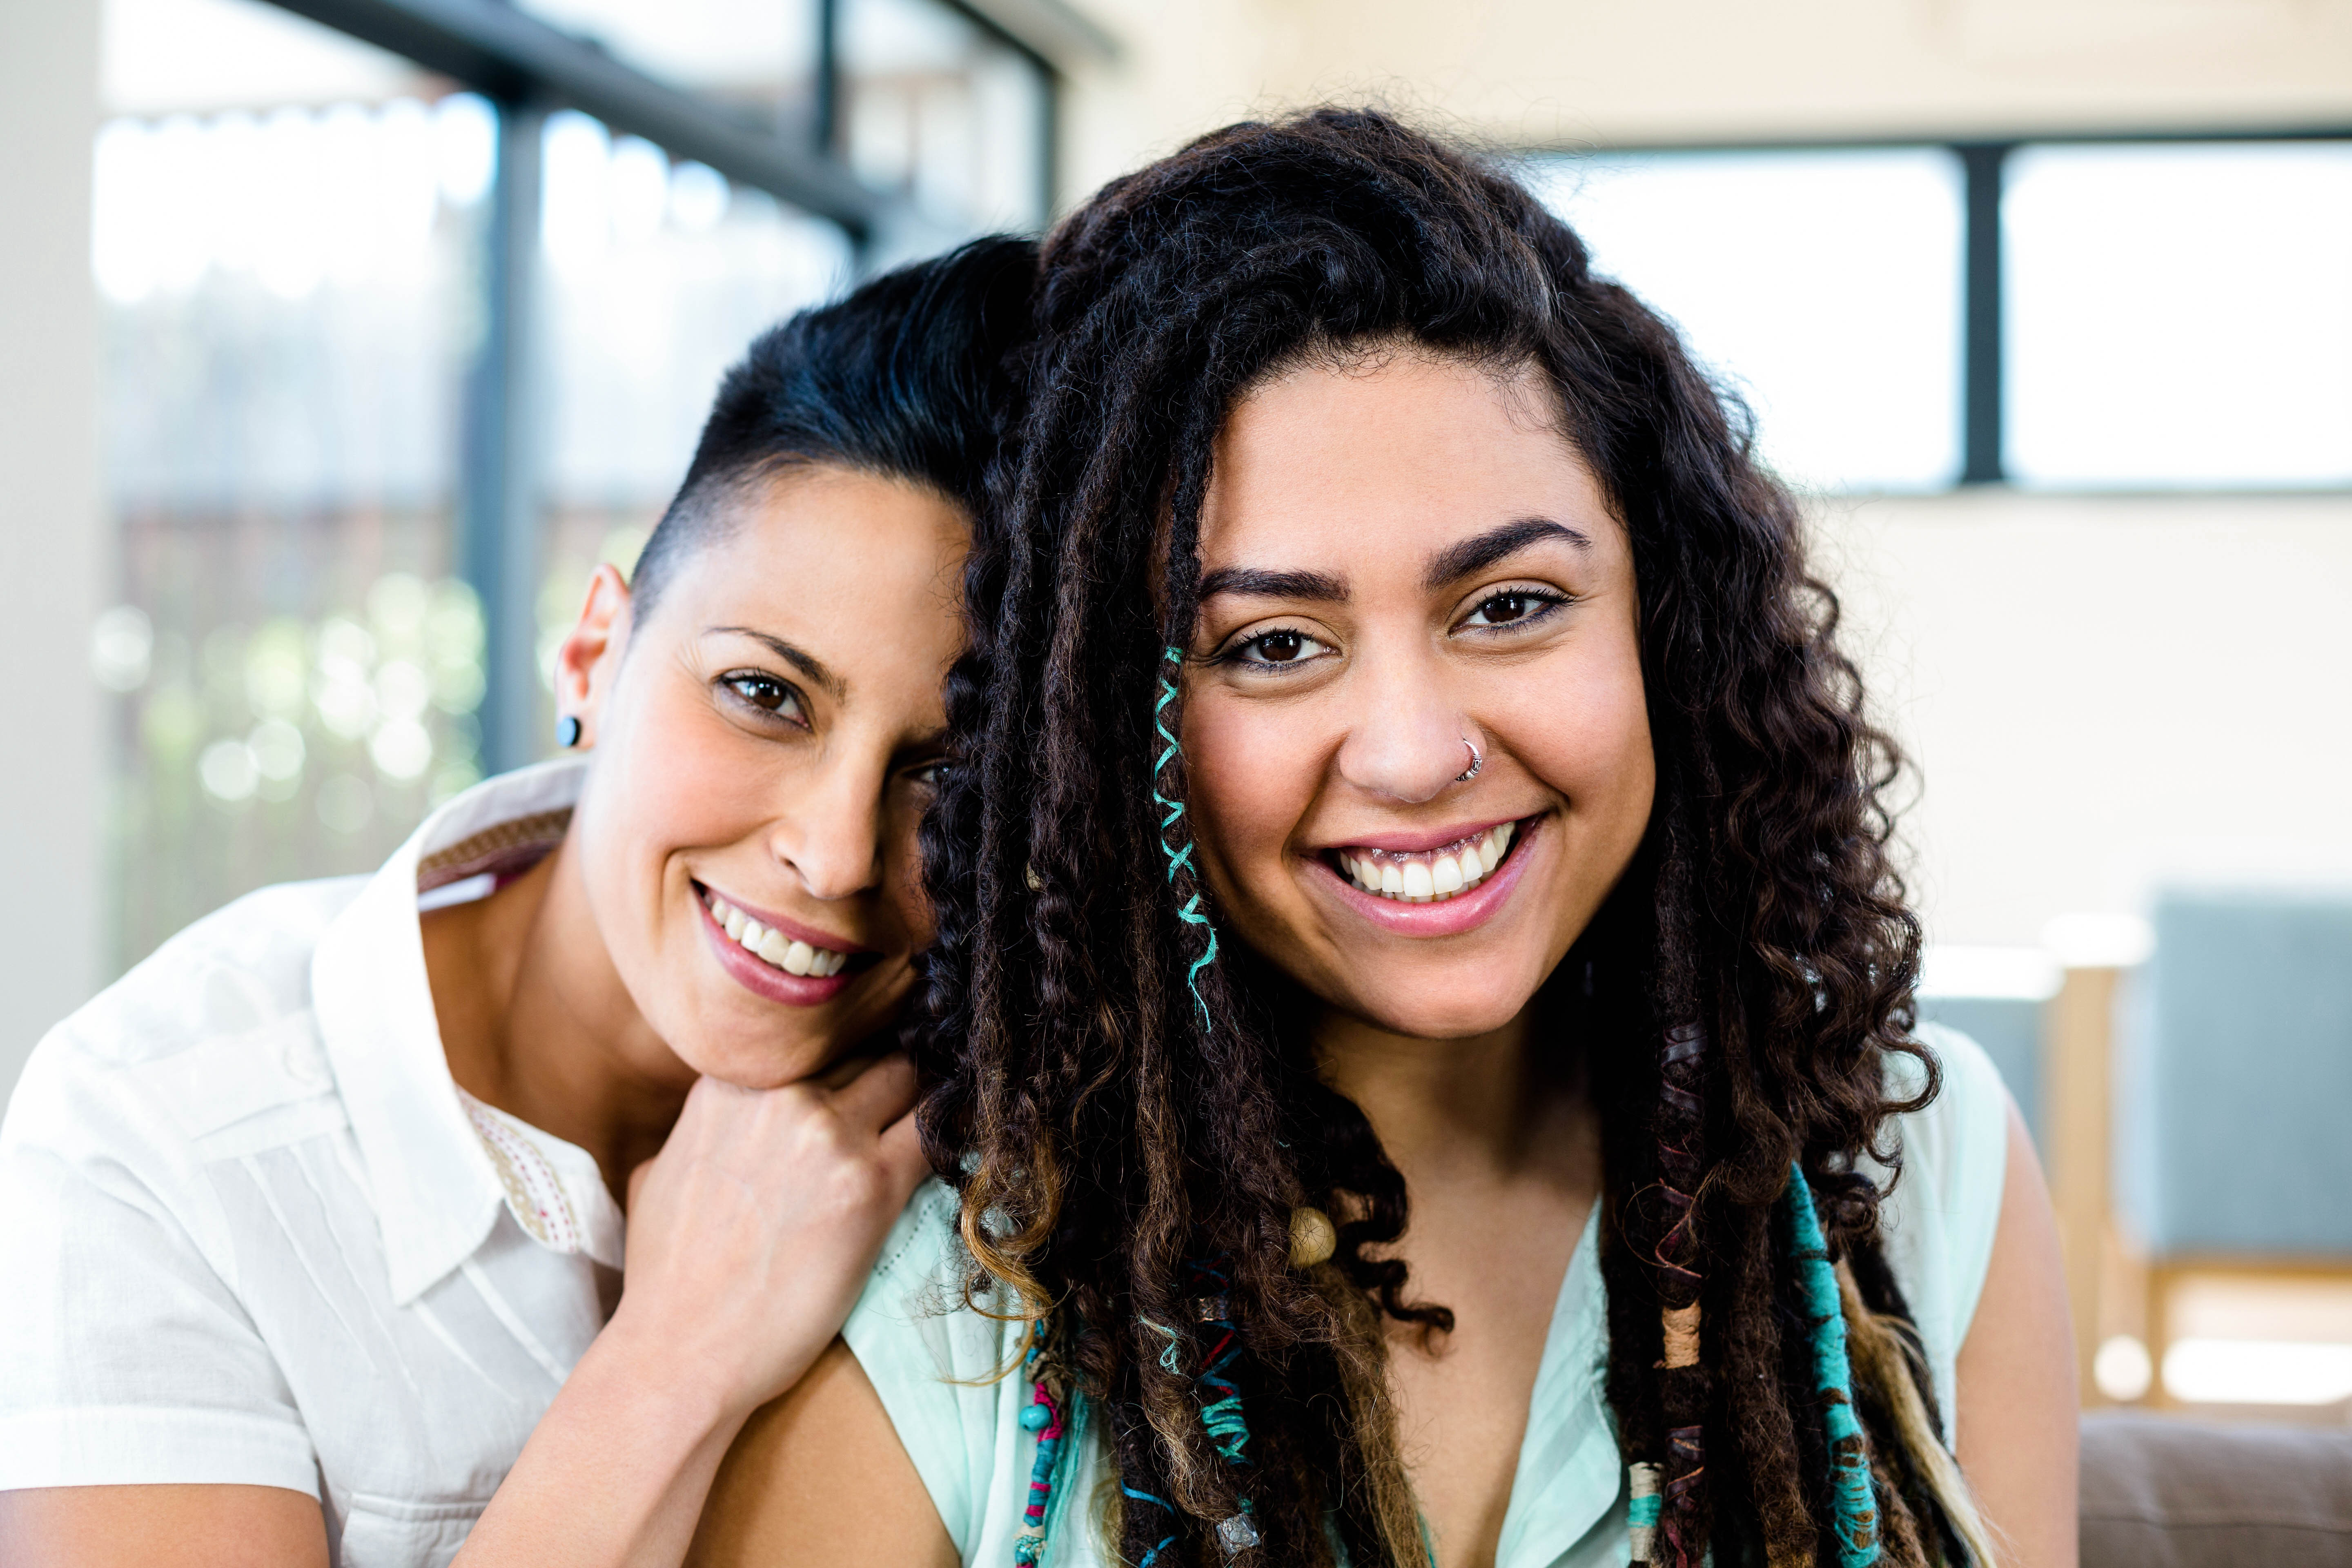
(52, 548)
(1578, 72)
(2099, 691)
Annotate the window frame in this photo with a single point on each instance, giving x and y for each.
(528, 68)
(1984, 174)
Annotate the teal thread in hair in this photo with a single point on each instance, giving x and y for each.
(1191, 913)
(1169, 1361)
(1856, 1525)
(1152, 1555)
(1222, 1416)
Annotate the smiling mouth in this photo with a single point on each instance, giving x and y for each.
(1426, 876)
(773, 948)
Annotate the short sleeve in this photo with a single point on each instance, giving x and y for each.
(125, 1356)
(940, 1367)
(1938, 1222)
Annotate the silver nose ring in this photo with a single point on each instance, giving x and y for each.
(1476, 762)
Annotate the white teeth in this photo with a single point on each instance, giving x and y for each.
(773, 946)
(1434, 881)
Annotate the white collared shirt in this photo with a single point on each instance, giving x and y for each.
(257, 1234)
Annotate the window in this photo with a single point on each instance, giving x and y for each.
(285, 285)
(756, 57)
(321, 292)
(938, 107)
(656, 278)
(1823, 287)
(2180, 315)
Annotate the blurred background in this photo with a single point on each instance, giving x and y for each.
(342, 339)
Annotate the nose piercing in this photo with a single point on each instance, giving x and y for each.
(1476, 762)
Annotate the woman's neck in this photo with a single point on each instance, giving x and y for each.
(1449, 1110)
(535, 1019)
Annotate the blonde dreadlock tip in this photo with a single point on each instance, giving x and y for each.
(1313, 1238)
(1680, 1324)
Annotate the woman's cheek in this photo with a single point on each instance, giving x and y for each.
(1241, 791)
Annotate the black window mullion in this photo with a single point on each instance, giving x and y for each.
(1981, 416)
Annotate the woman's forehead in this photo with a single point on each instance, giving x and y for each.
(1353, 459)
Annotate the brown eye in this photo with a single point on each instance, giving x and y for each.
(1513, 608)
(764, 691)
(1281, 647)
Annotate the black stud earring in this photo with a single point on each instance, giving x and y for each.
(567, 731)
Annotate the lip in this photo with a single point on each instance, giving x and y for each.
(764, 979)
(1414, 842)
(1463, 913)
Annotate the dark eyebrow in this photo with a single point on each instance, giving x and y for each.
(1317, 586)
(808, 664)
(1455, 562)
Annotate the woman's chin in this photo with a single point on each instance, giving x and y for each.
(1423, 1017)
(766, 1062)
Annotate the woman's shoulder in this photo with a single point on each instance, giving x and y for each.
(1943, 1206)
(941, 1359)
(214, 1027)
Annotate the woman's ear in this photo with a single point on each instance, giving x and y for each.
(588, 661)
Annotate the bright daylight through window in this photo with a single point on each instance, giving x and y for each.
(1823, 287)
(2180, 315)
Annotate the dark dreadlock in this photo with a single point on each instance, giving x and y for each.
(1114, 1110)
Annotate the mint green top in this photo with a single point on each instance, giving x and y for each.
(934, 1361)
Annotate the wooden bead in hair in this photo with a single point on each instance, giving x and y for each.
(1313, 1238)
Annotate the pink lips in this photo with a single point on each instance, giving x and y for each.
(1451, 917)
(1415, 843)
(764, 979)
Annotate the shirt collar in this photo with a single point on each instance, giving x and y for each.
(1569, 1470)
(434, 1182)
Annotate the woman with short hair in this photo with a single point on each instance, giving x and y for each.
(314, 1219)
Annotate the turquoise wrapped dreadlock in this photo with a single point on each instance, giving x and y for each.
(1221, 1408)
(1855, 1526)
(1189, 913)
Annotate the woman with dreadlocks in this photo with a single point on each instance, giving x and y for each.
(1421, 1032)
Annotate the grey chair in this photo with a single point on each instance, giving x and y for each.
(2234, 1154)
(2158, 1492)
(2010, 1029)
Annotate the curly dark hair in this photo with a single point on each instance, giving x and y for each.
(1735, 999)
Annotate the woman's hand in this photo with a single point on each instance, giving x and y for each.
(752, 1233)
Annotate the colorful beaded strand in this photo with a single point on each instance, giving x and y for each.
(1642, 1510)
(1223, 1417)
(1856, 1505)
(1682, 1386)
(1043, 1417)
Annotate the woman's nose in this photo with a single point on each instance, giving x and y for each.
(1404, 739)
(830, 835)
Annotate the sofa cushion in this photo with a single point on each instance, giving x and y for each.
(2165, 1493)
